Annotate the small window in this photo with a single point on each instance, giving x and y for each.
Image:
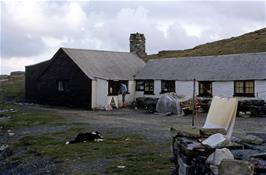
(244, 88)
(139, 85)
(205, 89)
(149, 87)
(62, 86)
(168, 86)
(114, 86)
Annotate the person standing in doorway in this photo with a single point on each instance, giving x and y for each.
(123, 90)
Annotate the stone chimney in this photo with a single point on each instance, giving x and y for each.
(137, 44)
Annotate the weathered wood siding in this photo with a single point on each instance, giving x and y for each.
(32, 74)
(63, 68)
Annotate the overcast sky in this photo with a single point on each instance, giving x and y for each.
(32, 31)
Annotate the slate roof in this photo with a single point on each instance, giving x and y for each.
(250, 66)
(36, 70)
(107, 65)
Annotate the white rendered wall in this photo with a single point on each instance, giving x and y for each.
(102, 98)
(260, 89)
(223, 88)
(186, 88)
(157, 87)
(93, 94)
(139, 94)
(182, 88)
(102, 93)
(219, 88)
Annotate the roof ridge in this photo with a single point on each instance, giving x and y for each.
(38, 63)
(207, 56)
(95, 50)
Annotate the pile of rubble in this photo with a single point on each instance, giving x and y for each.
(212, 150)
(252, 108)
(245, 155)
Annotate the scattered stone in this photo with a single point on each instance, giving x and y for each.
(219, 155)
(3, 147)
(244, 154)
(236, 167)
(214, 169)
(191, 132)
(7, 110)
(3, 110)
(3, 117)
(216, 141)
(168, 114)
(11, 134)
(5, 153)
(251, 139)
(121, 166)
(261, 135)
(206, 132)
(37, 165)
(259, 163)
(260, 155)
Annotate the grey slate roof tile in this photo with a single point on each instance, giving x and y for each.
(107, 65)
(250, 66)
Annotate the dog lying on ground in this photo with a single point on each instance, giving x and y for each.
(88, 136)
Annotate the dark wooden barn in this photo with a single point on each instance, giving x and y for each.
(58, 82)
(67, 78)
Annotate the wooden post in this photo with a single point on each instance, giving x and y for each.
(193, 103)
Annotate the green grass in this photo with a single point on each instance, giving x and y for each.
(248, 43)
(28, 119)
(121, 150)
(13, 89)
(53, 145)
(20, 117)
(133, 151)
(150, 163)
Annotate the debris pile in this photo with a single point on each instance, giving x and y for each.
(240, 156)
(252, 108)
(213, 150)
(169, 103)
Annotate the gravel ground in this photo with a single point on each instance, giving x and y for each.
(154, 127)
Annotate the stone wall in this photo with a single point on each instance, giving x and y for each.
(137, 44)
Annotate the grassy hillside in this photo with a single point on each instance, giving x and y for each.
(12, 89)
(247, 43)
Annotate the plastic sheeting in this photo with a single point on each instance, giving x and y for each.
(170, 103)
(222, 114)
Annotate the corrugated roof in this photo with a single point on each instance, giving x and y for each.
(249, 66)
(106, 64)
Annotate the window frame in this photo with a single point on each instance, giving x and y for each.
(244, 90)
(141, 85)
(169, 83)
(202, 92)
(150, 84)
(64, 85)
(116, 86)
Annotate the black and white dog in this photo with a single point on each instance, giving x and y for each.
(88, 136)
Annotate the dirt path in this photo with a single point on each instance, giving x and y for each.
(154, 127)
(113, 125)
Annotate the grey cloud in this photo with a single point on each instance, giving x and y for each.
(18, 43)
(221, 19)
